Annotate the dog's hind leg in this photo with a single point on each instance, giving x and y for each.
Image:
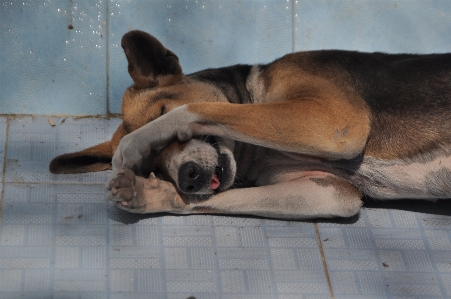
(308, 197)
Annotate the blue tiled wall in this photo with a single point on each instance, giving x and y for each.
(64, 57)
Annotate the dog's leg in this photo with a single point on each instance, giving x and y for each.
(327, 129)
(308, 197)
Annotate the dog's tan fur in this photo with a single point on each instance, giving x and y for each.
(311, 131)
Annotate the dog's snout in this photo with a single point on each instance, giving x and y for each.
(191, 178)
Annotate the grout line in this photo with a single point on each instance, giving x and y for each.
(107, 58)
(272, 277)
(5, 153)
(74, 116)
(107, 107)
(56, 183)
(292, 26)
(217, 268)
(323, 257)
(163, 273)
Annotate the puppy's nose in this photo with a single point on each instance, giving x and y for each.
(191, 178)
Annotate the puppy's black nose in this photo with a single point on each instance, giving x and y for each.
(191, 178)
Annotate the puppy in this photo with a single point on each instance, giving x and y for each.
(305, 136)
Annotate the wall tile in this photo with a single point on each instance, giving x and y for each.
(48, 68)
(203, 34)
(389, 26)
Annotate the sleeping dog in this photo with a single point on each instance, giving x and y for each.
(305, 136)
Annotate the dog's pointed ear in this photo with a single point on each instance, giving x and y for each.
(148, 59)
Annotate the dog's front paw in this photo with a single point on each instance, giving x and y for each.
(129, 154)
(123, 191)
(139, 195)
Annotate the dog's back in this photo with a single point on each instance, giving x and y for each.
(408, 150)
(409, 99)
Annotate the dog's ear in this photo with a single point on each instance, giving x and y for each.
(148, 59)
(96, 158)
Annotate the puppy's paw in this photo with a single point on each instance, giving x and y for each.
(139, 195)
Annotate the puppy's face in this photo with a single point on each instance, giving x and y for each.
(203, 165)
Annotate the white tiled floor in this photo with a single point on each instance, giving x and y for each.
(60, 239)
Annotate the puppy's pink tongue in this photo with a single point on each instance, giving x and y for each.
(214, 184)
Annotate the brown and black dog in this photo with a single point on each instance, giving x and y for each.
(305, 136)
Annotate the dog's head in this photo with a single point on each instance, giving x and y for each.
(202, 166)
(159, 86)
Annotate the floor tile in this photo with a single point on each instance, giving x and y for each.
(64, 239)
(203, 34)
(54, 241)
(389, 254)
(388, 26)
(53, 57)
(34, 142)
(215, 257)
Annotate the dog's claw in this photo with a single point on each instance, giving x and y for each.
(153, 181)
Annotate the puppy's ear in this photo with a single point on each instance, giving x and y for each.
(148, 59)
